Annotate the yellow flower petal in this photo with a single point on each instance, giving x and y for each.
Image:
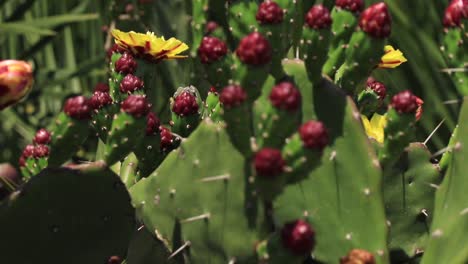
(392, 58)
(149, 46)
(375, 127)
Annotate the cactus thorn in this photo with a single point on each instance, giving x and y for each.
(224, 177)
(464, 211)
(196, 218)
(180, 249)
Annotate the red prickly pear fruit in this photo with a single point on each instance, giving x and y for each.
(114, 260)
(166, 138)
(99, 100)
(212, 49)
(136, 105)
(41, 151)
(376, 21)
(318, 17)
(101, 87)
(126, 64)
(419, 110)
(456, 10)
(314, 135)
(404, 102)
(213, 90)
(354, 6)
(28, 151)
(114, 49)
(78, 107)
(210, 27)
(232, 96)
(254, 49)
(358, 256)
(152, 124)
(269, 12)
(298, 237)
(22, 161)
(185, 104)
(130, 83)
(285, 96)
(378, 87)
(42, 137)
(269, 163)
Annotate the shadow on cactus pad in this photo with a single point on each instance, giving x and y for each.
(67, 216)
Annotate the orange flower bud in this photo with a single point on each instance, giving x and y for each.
(16, 79)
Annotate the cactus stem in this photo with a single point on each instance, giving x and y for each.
(224, 177)
(185, 245)
(433, 132)
(196, 218)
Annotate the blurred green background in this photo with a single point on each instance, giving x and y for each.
(66, 42)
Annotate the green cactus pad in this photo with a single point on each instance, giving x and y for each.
(201, 187)
(241, 17)
(68, 135)
(448, 241)
(409, 191)
(67, 216)
(342, 198)
(145, 248)
(315, 48)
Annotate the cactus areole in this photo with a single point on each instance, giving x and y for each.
(254, 49)
(299, 237)
(376, 21)
(269, 12)
(269, 163)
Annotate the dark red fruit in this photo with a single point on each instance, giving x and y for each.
(130, 83)
(41, 151)
(114, 49)
(269, 12)
(457, 10)
(28, 151)
(314, 135)
(152, 124)
(376, 21)
(22, 161)
(354, 6)
(166, 138)
(126, 64)
(78, 107)
(360, 256)
(285, 96)
(42, 137)
(185, 104)
(114, 260)
(232, 96)
(378, 87)
(212, 49)
(318, 17)
(269, 163)
(210, 27)
(99, 100)
(101, 87)
(254, 49)
(299, 237)
(405, 102)
(136, 105)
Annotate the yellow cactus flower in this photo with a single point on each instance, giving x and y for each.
(392, 58)
(16, 79)
(149, 46)
(375, 127)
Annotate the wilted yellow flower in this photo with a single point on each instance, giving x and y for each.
(392, 58)
(375, 127)
(16, 79)
(149, 46)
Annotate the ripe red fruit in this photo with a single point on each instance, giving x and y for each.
(78, 107)
(210, 27)
(185, 104)
(456, 10)
(212, 49)
(314, 135)
(28, 151)
(299, 237)
(358, 256)
(285, 96)
(101, 87)
(99, 100)
(152, 124)
(41, 151)
(254, 49)
(354, 6)
(232, 96)
(130, 83)
(318, 17)
(269, 12)
(405, 102)
(126, 64)
(378, 87)
(166, 138)
(376, 21)
(42, 137)
(136, 105)
(269, 163)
